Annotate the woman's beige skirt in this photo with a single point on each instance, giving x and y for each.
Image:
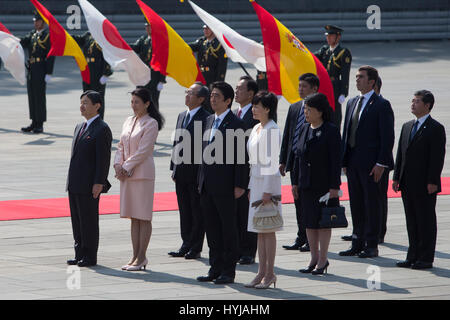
(136, 199)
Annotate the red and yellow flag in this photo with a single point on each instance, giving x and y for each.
(171, 55)
(62, 44)
(287, 58)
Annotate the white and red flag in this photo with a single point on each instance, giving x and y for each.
(12, 54)
(115, 50)
(237, 47)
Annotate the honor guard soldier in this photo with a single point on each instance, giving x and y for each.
(337, 61)
(99, 69)
(211, 56)
(143, 48)
(39, 73)
(261, 80)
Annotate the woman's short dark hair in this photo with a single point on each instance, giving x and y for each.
(144, 95)
(269, 101)
(95, 98)
(320, 102)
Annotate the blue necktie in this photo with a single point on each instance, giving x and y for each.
(300, 121)
(186, 120)
(414, 130)
(214, 128)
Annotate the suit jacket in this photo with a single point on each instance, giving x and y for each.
(374, 135)
(264, 159)
(249, 121)
(188, 172)
(222, 178)
(286, 153)
(420, 161)
(90, 159)
(135, 149)
(318, 160)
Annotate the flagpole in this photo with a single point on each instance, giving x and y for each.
(243, 68)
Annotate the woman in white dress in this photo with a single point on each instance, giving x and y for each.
(265, 180)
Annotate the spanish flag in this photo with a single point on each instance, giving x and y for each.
(62, 43)
(171, 55)
(287, 59)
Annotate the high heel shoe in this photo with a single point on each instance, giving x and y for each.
(139, 267)
(266, 285)
(321, 270)
(309, 269)
(254, 282)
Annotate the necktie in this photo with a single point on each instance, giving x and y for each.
(354, 123)
(186, 120)
(239, 113)
(414, 130)
(81, 131)
(214, 128)
(300, 121)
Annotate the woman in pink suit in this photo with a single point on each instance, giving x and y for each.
(135, 169)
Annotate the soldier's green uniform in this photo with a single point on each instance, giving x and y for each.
(38, 66)
(211, 58)
(337, 62)
(143, 48)
(98, 67)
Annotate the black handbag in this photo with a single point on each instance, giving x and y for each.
(333, 217)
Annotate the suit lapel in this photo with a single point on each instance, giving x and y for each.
(367, 108)
(419, 132)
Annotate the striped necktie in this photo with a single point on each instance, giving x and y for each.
(300, 122)
(214, 128)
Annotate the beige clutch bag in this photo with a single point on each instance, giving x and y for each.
(267, 217)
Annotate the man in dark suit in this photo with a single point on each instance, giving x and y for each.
(87, 178)
(245, 91)
(417, 174)
(384, 185)
(184, 165)
(368, 140)
(223, 177)
(308, 84)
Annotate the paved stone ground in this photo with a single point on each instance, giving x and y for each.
(33, 252)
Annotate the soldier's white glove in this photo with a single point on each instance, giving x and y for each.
(341, 99)
(160, 86)
(103, 80)
(47, 78)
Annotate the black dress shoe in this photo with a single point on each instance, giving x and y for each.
(347, 238)
(27, 129)
(38, 130)
(86, 263)
(309, 269)
(72, 262)
(404, 264)
(350, 252)
(192, 255)
(369, 253)
(420, 265)
(295, 246)
(206, 278)
(179, 253)
(224, 280)
(246, 260)
(305, 248)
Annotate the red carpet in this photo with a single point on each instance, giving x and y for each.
(164, 201)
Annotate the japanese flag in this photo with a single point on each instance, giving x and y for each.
(115, 50)
(12, 54)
